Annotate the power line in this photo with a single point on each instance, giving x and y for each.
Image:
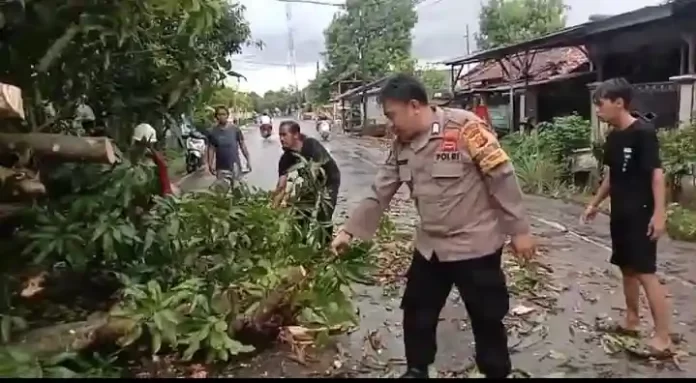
(263, 63)
(315, 2)
(423, 3)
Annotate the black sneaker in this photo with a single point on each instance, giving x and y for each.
(416, 373)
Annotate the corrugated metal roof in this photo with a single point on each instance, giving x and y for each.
(579, 33)
(543, 65)
(355, 91)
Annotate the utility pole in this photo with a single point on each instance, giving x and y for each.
(363, 66)
(362, 42)
(291, 51)
(291, 40)
(468, 39)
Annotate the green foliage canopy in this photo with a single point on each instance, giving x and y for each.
(380, 30)
(129, 59)
(504, 22)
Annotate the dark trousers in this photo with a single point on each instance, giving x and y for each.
(482, 286)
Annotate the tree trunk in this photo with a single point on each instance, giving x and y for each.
(61, 147)
(101, 329)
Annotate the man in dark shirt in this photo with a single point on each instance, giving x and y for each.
(226, 140)
(298, 147)
(636, 185)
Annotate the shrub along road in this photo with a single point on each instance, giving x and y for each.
(558, 306)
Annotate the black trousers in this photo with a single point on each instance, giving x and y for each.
(483, 288)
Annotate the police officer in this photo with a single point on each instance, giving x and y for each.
(468, 199)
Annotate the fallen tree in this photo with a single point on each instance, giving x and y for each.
(103, 327)
(204, 274)
(62, 147)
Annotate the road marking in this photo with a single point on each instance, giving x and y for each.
(564, 229)
(587, 239)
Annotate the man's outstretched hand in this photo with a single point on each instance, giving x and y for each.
(524, 246)
(340, 241)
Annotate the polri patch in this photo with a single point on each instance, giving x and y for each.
(448, 156)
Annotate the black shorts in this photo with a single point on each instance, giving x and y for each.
(632, 248)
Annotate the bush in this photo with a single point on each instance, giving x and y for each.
(542, 157)
(678, 153)
(681, 223)
(563, 136)
(538, 174)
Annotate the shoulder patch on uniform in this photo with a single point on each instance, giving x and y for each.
(483, 146)
(450, 140)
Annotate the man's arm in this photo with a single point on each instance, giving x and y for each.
(242, 145)
(603, 191)
(498, 175)
(605, 187)
(364, 219)
(210, 149)
(279, 192)
(284, 165)
(650, 162)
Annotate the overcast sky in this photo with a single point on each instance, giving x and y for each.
(440, 34)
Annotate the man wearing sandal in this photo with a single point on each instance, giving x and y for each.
(636, 184)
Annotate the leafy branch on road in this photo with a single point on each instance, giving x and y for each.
(206, 276)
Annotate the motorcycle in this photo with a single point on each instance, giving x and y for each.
(324, 129)
(195, 150)
(266, 130)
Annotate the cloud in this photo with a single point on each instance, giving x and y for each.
(439, 34)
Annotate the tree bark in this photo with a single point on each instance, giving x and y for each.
(61, 147)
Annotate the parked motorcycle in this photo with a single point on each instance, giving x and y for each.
(195, 150)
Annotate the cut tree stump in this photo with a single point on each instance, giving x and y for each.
(61, 147)
(11, 101)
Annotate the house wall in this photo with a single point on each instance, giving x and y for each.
(647, 57)
(499, 111)
(374, 111)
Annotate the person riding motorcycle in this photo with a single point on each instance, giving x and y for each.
(266, 125)
(321, 117)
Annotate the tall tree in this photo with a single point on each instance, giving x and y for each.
(433, 79)
(379, 31)
(131, 60)
(503, 22)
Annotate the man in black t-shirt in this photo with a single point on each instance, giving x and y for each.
(636, 185)
(298, 147)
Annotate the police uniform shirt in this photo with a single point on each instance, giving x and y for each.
(462, 183)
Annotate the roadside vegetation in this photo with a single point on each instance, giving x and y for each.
(101, 276)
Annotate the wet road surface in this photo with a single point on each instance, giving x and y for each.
(552, 331)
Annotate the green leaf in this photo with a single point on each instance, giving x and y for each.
(193, 347)
(131, 337)
(149, 240)
(156, 337)
(60, 372)
(6, 330)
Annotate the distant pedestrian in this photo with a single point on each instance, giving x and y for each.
(636, 184)
(226, 141)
